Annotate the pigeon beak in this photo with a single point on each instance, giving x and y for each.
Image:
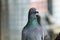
(37, 13)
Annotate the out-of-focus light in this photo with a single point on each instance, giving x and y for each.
(55, 28)
(57, 31)
(56, 10)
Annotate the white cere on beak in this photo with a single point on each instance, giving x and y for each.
(37, 13)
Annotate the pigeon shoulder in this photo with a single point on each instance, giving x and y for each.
(24, 31)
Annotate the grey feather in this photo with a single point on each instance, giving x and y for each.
(32, 31)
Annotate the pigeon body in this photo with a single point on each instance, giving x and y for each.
(35, 29)
(32, 31)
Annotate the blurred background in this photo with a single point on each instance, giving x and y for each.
(14, 16)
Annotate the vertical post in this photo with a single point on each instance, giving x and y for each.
(4, 20)
(50, 6)
(0, 19)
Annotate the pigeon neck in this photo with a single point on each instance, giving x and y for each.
(33, 22)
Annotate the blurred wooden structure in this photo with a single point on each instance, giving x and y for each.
(55, 29)
(0, 19)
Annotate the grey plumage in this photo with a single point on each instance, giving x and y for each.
(32, 31)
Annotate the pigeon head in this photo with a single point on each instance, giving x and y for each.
(32, 13)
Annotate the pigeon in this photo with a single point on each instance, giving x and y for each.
(32, 30)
